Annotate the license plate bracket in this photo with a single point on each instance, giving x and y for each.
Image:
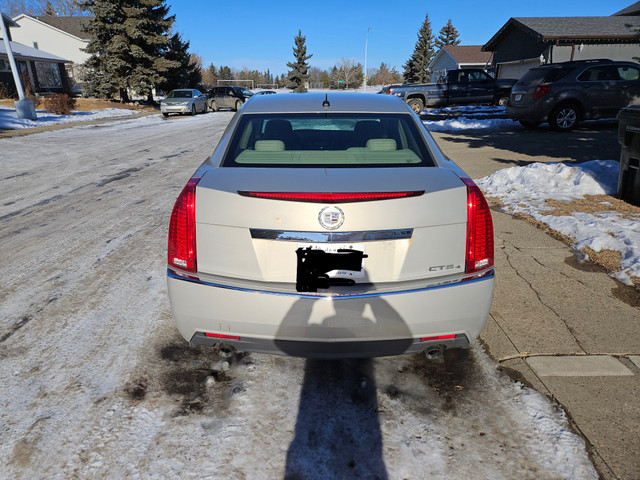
(326, 265)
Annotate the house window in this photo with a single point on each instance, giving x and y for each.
(5, 66)
(48, 74)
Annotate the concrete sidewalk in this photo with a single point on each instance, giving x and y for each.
(563, 327)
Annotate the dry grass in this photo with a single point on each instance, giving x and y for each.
(595, 204)
(592, 204)
(89, 104)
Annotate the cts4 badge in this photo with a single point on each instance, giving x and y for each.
(331, 218)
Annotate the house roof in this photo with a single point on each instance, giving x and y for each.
(21, 51)
(73, 26)
(8, 22)
(468, 53)
(630, 10)
(559, 30)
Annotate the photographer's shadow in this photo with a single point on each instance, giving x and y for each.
(337, 432)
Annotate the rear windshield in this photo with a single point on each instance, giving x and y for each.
(327, 140)
(536, 76)
(180, 94)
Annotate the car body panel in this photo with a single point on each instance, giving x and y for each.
(275, 317)
(412, 283)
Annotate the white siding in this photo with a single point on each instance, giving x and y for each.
(624, 52)
(516, 70)
(49, 39)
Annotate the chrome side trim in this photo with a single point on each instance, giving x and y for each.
(329, 237)
(480, 278)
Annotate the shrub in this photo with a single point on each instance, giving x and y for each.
(60, 104)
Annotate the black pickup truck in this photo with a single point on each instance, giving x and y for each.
(465, 86)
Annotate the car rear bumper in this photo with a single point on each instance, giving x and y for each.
(321, 326)
(532, 112)
(175, 109)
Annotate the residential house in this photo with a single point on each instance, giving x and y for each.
(527, 42)
(451, 57)
(45, 72)
(61, 36)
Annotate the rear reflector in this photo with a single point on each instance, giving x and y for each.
(181, 249)
(219, 335)
(439, 337)
(331, 197)
(479, 254)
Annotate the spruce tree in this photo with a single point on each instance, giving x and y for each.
(129, 40)
(448, 36)
(184, 74)
(107, 66)
(417, 67)
(147, 27)
(298, 75)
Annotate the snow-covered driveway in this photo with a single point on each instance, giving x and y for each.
(95, 381)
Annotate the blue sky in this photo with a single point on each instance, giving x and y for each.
(259, 34)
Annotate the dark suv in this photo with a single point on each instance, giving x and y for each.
(565, 93)
(228, 97)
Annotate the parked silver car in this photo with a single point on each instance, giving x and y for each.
(184, 101)
(330, 226)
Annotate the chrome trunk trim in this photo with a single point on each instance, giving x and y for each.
(332, 237)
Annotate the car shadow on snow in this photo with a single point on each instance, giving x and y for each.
(337, 432)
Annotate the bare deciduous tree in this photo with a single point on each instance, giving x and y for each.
(61, 8)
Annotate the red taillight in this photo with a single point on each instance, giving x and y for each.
(541, 91)
(479, 254)
(181, 250)
(331, 197)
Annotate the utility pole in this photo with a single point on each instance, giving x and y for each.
(366, 44)
(24, 107)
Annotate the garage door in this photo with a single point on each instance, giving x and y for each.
(516, 70)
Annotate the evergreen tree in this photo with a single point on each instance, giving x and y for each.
(417, 67)
(107, 67)
(448, 36)
(298, 75)
(224, 73)
(129, 40)
(183, 74)
(147, 26)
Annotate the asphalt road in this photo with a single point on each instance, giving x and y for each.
(563, 326)
(97, 384)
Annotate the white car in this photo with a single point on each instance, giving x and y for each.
(186, 100)
(330, 226)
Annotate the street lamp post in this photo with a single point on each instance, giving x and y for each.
(24, 108)
(366, 44)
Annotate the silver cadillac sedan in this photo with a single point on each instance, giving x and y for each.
(330, 226)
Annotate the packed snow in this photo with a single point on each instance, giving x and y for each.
(97, 383)
(9, 119)
(470, 123)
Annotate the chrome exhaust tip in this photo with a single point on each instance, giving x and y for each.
(435, 352)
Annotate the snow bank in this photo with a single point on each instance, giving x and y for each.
(526, 189)
(9, 119)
